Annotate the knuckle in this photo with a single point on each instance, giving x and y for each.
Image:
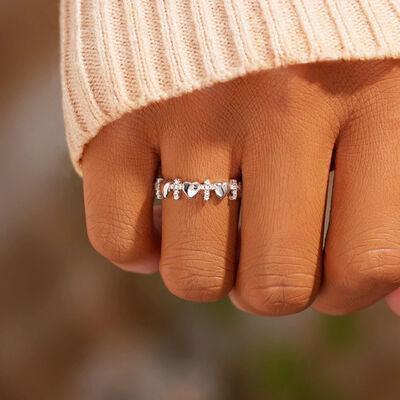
(116, 241)
(281, 299)
(279, 285)
(196, 275)
(373, 268)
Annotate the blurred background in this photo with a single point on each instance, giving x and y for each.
(74, 327)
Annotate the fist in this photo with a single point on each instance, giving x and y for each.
(279, 132)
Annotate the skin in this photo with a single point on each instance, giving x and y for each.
(280, 132)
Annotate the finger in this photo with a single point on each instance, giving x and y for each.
(393, 301)
(285, 178)
(119, 167)
(198, 257)
(362, 262)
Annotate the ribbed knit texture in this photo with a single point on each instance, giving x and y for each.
(119, 55)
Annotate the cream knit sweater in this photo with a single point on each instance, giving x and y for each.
(119, 55)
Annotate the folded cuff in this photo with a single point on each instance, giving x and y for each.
(120, 55)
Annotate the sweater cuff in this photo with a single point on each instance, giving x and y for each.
(120, 55)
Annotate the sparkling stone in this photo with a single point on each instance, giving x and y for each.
(158, 188)
(234, 189)
(177, 186)
(207, 187)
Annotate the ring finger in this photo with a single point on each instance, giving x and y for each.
(198, 256)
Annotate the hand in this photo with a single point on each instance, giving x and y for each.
(278, 130)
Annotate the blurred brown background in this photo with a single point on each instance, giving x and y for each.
(74, 327)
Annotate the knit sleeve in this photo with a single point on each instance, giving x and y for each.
(120, 55)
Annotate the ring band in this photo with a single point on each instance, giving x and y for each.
(230, 189)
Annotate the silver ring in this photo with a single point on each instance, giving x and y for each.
(163, 188)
